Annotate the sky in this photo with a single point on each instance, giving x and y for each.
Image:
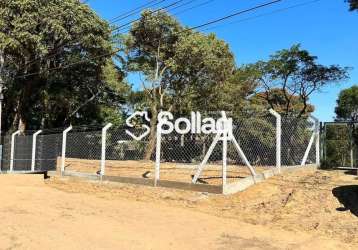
(323, 27)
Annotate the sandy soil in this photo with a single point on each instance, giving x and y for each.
(300, 210)
(168, 171)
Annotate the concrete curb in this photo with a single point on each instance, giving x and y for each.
(247, 182)
(229, 189)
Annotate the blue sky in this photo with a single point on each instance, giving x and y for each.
(326, 28)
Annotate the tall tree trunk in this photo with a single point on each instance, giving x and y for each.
(22, 124)
(153, 134)
(24, 107)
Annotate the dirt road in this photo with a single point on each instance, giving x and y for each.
(67, 214)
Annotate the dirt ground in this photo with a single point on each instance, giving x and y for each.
(211, 174)
(300, 210)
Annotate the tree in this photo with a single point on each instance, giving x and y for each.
(347, 111)
(276, 100)
(286, 81)
(297, 74)
(56, 56)
(353, 4)
(150, 44)
(201, 69)
(181, 70)
(337, 145)
(347, 105)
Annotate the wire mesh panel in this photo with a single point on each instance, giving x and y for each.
(182, 154)
(6, 153)
(83, 150)
(121, 146)
(128, 157)
(340, 148)
(23, 151)
(257, 137)
(124, 156)
(296, 135)
(48, 150)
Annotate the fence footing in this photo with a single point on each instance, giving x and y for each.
(230, 188)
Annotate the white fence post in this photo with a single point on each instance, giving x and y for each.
(318, 143)
(224, 167)
(278, 138)
(12, 152)
(64, 141)
(225, 135)
(103, 155)
(315, 135)
(33, 155)
(157, 155)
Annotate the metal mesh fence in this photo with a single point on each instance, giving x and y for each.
(296, 134)
(256, 135)
(46, 152)
(83, 151)
(257, 138)
(340, 145)
(23, 152)
(121, 146)
(180, 154)
(122, 153)
(6, 150)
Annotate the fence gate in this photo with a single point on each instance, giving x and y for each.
(340, 144)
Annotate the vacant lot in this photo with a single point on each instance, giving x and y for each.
(301, 210)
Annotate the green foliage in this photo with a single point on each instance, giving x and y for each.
(275, 99)
(337, 145)
(297, 74)
(183, 70)
(353, 4)
(42, 42)
(347, 105)
(257, 137)
(342, 139)
(201, 68)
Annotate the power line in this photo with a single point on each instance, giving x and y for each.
(135, 11)
(193, 7)
(185, 10)
(62, 46)
(233, 15)
(262, 15)
(185, 30)
(121, 27)
(170, 9)
(181, 5)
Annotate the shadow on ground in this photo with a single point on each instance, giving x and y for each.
(348, 197)
(201, 180)
(351, 172)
